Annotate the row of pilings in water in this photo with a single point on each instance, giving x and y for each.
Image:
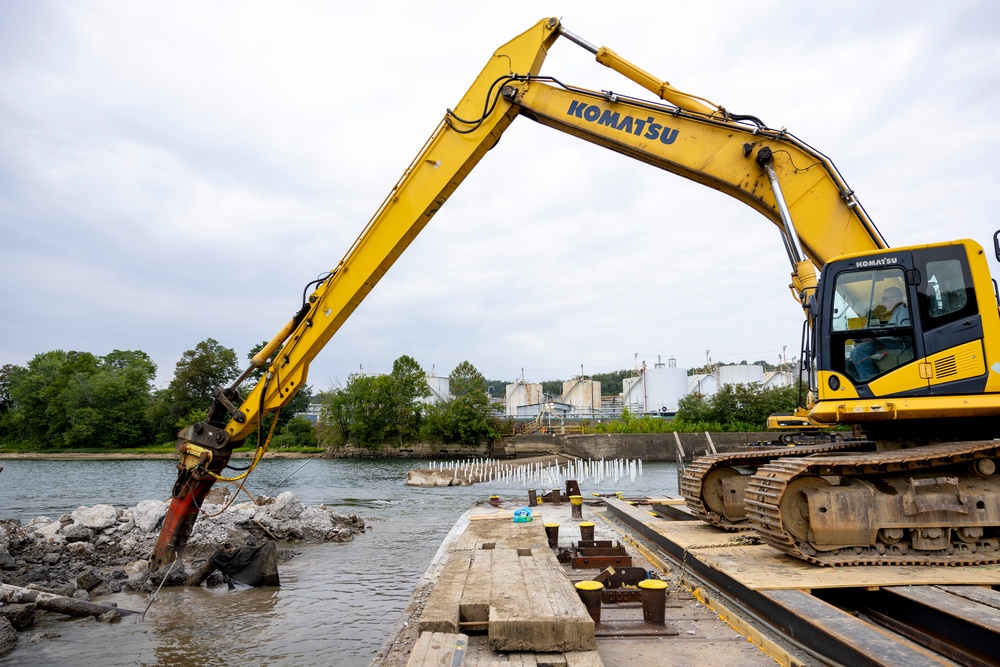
(547, 475)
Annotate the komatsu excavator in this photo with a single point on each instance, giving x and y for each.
(896, 339)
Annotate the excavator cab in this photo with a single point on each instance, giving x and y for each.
(908, 323)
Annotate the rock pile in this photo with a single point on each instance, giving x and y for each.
(102, 549)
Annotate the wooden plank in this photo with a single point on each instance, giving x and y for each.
(872, 643)
(762, 568)
(440, 614)
(438, 649)
(522, 617)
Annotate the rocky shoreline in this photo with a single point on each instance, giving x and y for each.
(100, 550)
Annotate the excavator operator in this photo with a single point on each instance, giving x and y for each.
(866, 353)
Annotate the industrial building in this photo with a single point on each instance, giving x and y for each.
(651, 391)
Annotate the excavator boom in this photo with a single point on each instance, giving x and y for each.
(784, 179)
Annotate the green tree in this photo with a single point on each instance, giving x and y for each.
(188, 396)
(75, 399)
(39, 394)
(371, 411)
(737, 407)
(408, 386)
(8, 375)
(467, 418)
(107, 408)
(465, 379)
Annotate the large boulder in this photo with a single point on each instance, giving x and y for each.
(148, 514)
(285, 507)
(46, 527)
(97, 517)
(432, 478)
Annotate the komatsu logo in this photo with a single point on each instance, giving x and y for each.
(881, 261)
(640, 127)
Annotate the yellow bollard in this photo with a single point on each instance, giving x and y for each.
(590, 593)
(552, 532)
(654, 600)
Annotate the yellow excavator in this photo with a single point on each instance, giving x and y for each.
(895, 339)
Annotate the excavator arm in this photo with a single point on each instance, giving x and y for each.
(771, 171)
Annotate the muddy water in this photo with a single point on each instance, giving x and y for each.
(337, 602)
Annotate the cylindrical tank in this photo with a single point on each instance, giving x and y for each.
(521, 393)
(440, 389)
(664, 388)
(739, 374)
(655, 390)
(583, 396)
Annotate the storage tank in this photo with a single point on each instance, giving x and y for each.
(440, 389)
(521, 393)
(739, 374)
(665, 385)
(583, 396)
(633, 394)
(656, 390)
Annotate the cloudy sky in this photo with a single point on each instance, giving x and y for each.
(171, 172)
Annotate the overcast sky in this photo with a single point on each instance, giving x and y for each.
(175, 171)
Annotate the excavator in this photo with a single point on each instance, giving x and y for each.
(895, 339)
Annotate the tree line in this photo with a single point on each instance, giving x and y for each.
(78, 400)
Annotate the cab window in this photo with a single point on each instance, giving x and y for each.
(872, 327)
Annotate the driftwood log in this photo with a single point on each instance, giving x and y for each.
(57, 603)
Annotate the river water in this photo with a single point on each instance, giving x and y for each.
(337, 602)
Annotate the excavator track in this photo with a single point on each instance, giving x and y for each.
(711, 471)
(928, 486)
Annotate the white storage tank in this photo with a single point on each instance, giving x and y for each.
(665, 385)
(584, 396)
(739, 374)
(440, 389)
(656, 390)
(521, 393)
(634, 394)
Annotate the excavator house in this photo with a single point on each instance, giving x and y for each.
(901, 344)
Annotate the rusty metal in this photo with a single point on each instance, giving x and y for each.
(586, 531)
(921, 506)
(654, 601)
(591, 562)
(617, 550)
(590, 594)
(622, 576)
(552, 534)
(594, 544)
(621, 596)
(714, 486)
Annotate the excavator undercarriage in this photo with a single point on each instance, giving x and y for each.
(714, 486)
(932, 505)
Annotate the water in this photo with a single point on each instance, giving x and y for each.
(337, 603)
